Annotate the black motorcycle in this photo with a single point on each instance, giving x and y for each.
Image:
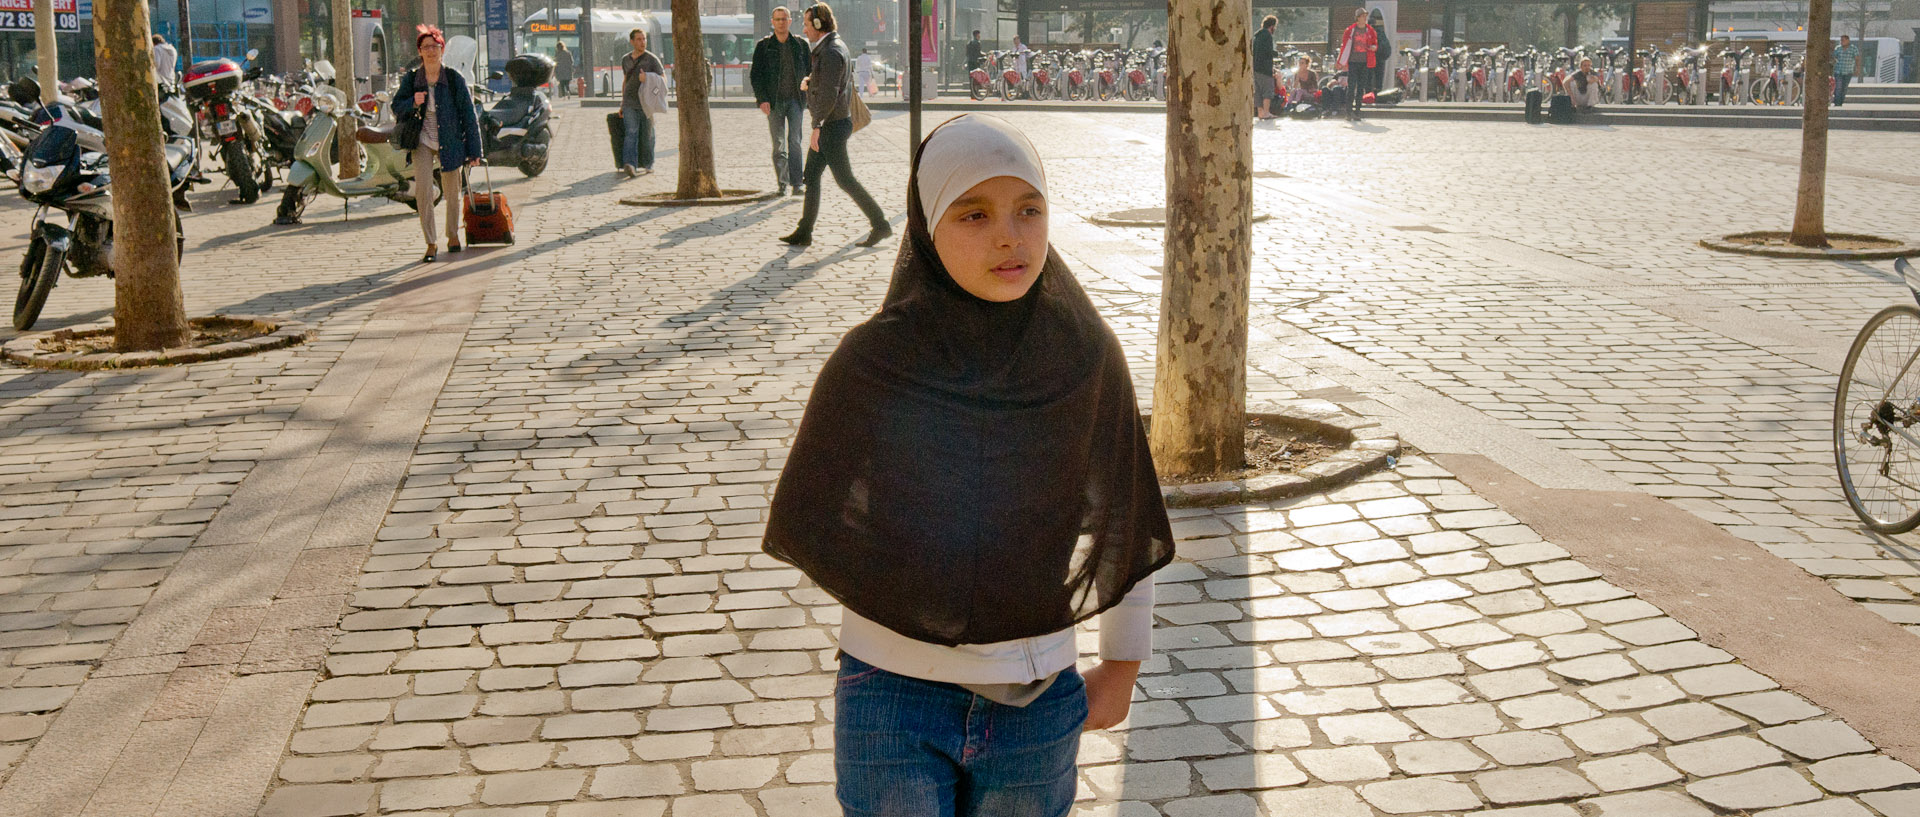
(73, 227)
(517, 130)
(211, 85)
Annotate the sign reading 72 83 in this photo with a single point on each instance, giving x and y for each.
(17, 15)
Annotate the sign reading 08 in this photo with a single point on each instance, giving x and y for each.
(17, 15)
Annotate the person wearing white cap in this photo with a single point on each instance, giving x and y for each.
(971, 480)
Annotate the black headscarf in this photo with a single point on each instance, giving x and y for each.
(970, 472)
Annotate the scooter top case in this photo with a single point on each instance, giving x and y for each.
(530, 70)
(211, 78)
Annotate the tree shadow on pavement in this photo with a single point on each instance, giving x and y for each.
(722, 223)
(752, 294)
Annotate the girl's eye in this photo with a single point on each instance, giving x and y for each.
(1032, 211)
(974, 216)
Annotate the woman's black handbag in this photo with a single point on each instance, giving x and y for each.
(406, 132)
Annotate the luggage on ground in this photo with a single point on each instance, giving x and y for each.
(489, 219)
(1560, 110)
(617, 128)
(1534, 99)
(1333, 99)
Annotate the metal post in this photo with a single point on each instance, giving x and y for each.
(913, 65)
(47, 51)
(584, 25)
(186, 37)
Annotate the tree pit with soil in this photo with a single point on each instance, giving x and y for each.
(212, 338)
(1292, 450)
(1841, 246)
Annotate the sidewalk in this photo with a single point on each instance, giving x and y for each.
(490, 546)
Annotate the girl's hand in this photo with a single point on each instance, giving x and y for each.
(473, 163)
(1109, 693)
(419, 97)
(815, 141)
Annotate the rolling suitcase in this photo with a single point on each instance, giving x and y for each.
(617, 128)
(1534, 98)
(489, 219)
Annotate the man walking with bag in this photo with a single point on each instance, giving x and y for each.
(780, 61)
(831, 102)
(640, 67)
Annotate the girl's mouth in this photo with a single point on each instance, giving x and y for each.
(1010, 270)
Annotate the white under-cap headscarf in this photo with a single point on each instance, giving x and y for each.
(970, 149)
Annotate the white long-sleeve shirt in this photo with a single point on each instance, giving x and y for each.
(1126, 634)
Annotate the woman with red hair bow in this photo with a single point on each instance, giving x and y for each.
(449, 134)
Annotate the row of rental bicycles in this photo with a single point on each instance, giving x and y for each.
(1136, 75)
(1656, 77)
(1649, 76)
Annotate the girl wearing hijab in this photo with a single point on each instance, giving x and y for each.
(971, 480)
(449, 134)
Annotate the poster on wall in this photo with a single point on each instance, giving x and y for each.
(17, 15)
(929, 32)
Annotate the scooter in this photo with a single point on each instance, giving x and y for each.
(214, 87)
(384, 171)
(72, 230)
(516, 131)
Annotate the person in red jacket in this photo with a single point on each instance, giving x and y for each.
(1357, 49)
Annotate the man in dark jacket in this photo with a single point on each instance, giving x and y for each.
(562, 69)
(638, 67)
(1263, 68)
(976, 54)
(830, 102)
(780, 61)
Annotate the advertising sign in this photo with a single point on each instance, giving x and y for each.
(17, 15)
(499, 39)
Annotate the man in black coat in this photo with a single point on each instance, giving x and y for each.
(976, 55)
(1263, 68)
(780, 61)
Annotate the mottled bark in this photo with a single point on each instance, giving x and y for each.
(148, 313)
(1199, 395)
(1810, 212)
(46, 51)
(347, 150)
(691, 77)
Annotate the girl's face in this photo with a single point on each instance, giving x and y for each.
(993, 239)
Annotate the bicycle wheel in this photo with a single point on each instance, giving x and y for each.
(1878, 402)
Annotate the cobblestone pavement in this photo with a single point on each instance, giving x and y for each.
(532, 584)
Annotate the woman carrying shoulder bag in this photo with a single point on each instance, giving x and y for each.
(830, 101)
(449, 134)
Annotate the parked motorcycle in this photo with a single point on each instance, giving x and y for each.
(385, 171)
(72, 230)
(516, 130)
(213, 87)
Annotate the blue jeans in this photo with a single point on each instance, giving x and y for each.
(638, 149)
(904, 747)
(785, 125)
(1840, 88)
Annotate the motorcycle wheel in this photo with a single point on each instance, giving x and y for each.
(240, 170)
(293, 203)
(36, 285)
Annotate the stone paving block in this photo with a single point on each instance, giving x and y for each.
(1437, 757)
(1141, 781)
(1904, 803)
(1645, 804)
(1249, 771)
(735, 773)
(1343, 765)
(618, 808)
(1857, 773)
(1178, 742)
(1816, 740)
(1708, 758)
(1631, 771)
(1535, 785)
(1456, 721)
(1824, 808)
(1633, 693)
(1764, 788)
(1682, 722)
(1377, 727)
(1525, 748)
(1419, 795)
(438, 792)
(325, 800)
(1772, 708)
(547, 786)
(1324, 801)
(713, 805)
(1551, 709)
